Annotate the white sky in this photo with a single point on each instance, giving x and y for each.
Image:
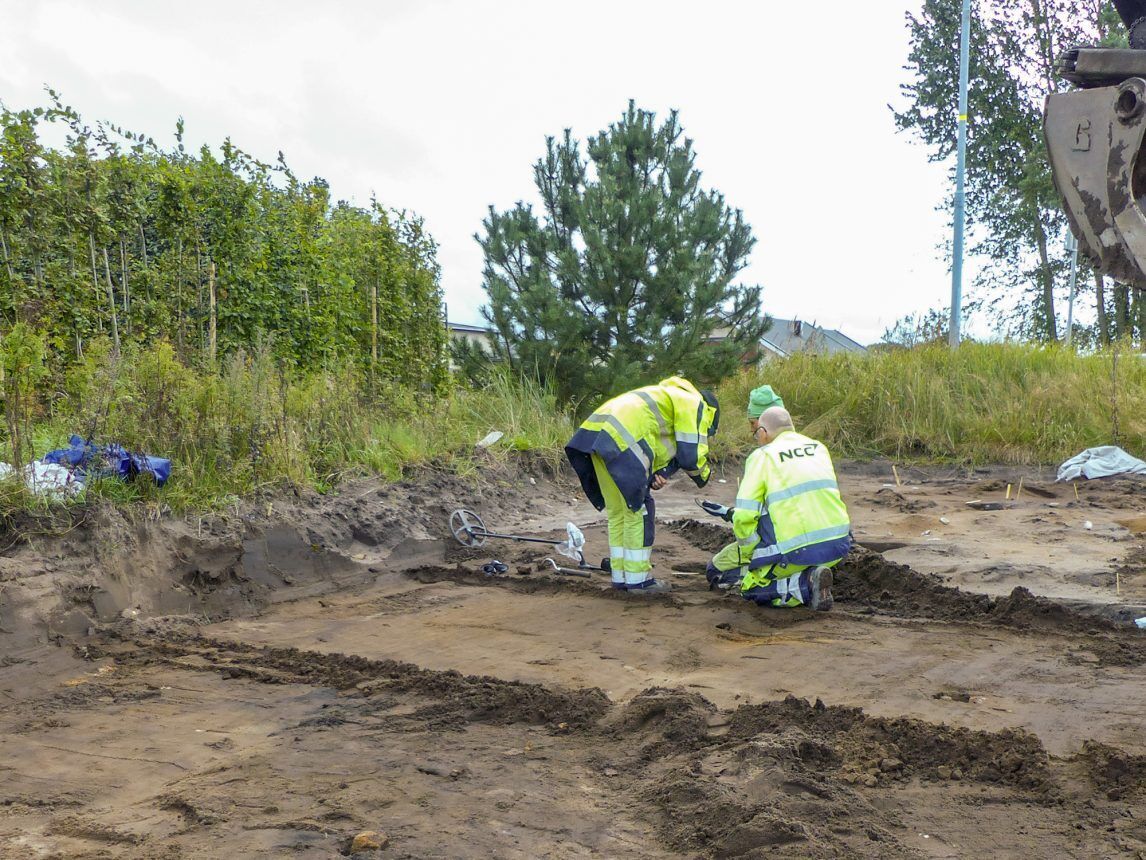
(442, 106)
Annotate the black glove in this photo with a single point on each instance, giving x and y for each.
(717, 510)
(712, 575)
(723, 578)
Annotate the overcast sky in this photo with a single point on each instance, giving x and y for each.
(442, 106)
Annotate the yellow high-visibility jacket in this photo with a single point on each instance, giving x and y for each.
(788, 506)
(656, 429)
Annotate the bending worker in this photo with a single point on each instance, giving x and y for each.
(790, 522)
(632, 444)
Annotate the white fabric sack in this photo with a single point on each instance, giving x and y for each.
(45, 479)
(1101, 462)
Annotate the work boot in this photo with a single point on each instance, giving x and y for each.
(821, 586)
(649, 586)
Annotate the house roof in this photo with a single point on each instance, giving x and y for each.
(469, 329)
(847, 341)
(785, 337)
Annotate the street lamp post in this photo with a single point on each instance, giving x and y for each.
(960, 169)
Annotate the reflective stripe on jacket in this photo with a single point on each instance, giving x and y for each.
(788, 506)
(658, 428)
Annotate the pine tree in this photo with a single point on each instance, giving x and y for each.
(627, 272)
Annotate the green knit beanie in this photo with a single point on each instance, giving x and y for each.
(762, 398)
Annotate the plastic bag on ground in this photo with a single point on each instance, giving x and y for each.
(574, 546)
(1101, 462)
(87, 459)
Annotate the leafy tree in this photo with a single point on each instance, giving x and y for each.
(1013, 210)
(627, 272)
(213, 251)
(22, 362)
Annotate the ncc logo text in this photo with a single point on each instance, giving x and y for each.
(805, 451)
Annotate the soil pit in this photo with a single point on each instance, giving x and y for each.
(276, 683)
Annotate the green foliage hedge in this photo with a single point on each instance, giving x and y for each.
(108, 235)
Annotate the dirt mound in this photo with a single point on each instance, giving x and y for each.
(743, 789)
(73, 569)
(467, 698)
(898, 749)
(1113, 771)
(789, 778)
(717, 817)
(868, 579)
(666, 720)
(706, 536)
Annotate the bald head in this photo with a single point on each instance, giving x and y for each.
(776, 418)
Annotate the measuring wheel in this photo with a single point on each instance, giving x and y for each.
(467, 528)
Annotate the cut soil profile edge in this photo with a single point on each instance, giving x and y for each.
(682, 720)
(867, 580)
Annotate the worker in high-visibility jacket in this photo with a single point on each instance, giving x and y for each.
(790, 522)
(630, 445)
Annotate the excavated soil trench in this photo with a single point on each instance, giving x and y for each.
(300, 675)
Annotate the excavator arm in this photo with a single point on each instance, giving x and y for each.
(1096, 139)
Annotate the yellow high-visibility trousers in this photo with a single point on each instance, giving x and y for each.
(630, 532)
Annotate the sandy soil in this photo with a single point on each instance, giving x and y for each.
(274, 683)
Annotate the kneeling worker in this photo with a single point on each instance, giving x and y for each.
(630, 445)
(790, 522)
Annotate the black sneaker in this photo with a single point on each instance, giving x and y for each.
(821, 589)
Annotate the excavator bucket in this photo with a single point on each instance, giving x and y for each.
(1095, 137)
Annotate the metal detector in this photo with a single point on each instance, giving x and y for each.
(469, 530)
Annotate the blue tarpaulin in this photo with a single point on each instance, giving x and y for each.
(87, 459)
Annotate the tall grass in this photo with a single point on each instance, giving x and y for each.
(251, 426)
(982, 403)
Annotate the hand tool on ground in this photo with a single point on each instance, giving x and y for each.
(568, 571)
(469, 530)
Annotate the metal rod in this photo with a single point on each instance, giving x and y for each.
(568, 571)
(485, 534)
(960, 170)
